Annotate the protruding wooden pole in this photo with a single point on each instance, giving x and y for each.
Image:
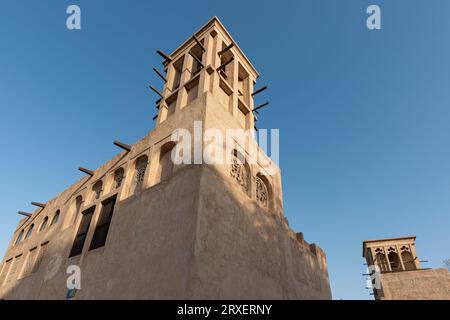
(156, 91)
(223, 65)
(164, 55)
(87, 171)
(38, 204)
(261, 106)
(196, 59)
(225, 49)
(259, 90)
(122, 145)
(199, 43)
(26, 214)
(159, 74)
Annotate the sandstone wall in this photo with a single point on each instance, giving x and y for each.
(425, 284)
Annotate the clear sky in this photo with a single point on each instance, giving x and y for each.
(363, 115)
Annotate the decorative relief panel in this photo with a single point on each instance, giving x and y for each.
(97, 189)
(118, 179)
(262, 194)
(239, 173)
(140, 173)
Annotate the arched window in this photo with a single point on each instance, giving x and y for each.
(78, 203)
(165, 161)
(20, 237)
(74, 211)
(380, 260)
(139, 173)
(394, 261)
(97, 190)
(240, 170)
(408, 260)
(30, 231)
(119, 175)
(55, 218)
(44, 224)
(262, 191)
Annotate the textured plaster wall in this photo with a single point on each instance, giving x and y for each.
(426, 284)
(195, 235)
(245, 252)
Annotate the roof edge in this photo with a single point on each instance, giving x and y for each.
(382, 240)
(211, 21)
(390, 239)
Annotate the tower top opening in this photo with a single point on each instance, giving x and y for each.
(392, 254)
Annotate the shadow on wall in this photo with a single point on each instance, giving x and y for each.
(233, 229)
(238, 232)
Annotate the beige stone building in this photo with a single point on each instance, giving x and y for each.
(402, 277)
(142, 227)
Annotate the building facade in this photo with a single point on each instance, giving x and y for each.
(401, 275)
(143, 227)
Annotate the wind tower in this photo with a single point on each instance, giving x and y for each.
(142, 226)
(401, 276)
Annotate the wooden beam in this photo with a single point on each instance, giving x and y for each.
(122, 145)
(226, 49)
(223, 65)
(196, 59)
(38, 204)
(164, 55)
(87, 171)
(156, 91)
(261, 106)
(259, 90)
(199, 43)
(159, 74)
(26, 214)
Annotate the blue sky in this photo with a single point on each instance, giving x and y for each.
(363, 115)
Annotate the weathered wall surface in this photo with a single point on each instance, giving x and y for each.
(145, 228)
(178, 231)
(425, 284)
(195, 235)
(151, 247)
(244, 252)
(148, 252)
